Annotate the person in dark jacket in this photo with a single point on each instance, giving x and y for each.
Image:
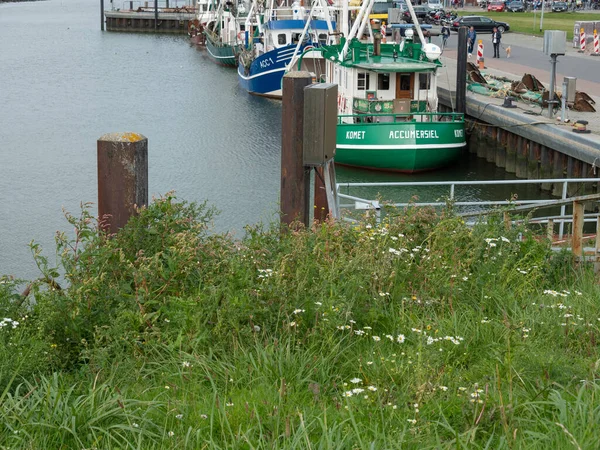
(445, 35)
(496, 37)
(471, 38)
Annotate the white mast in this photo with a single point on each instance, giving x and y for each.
(361, 12)
(415, 21)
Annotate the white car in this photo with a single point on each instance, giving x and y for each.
(435, 4)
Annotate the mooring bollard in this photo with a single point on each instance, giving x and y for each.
(295, 182)
(122, 178)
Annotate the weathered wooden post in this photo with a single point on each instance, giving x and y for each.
(320, 124)
(295, 182)
(577, 237)
(461, 71)
(550, 230)
(122, 178)
(321, 208)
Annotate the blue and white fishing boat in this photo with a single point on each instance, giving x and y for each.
(278, 36)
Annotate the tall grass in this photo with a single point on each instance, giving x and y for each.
(419, 332)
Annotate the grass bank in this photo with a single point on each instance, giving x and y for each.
(529, 23)
(417, 333)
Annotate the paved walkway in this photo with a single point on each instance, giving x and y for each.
(447, 78)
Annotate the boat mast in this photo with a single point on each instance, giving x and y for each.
(359, 19)
(415, 21)
(345, 15)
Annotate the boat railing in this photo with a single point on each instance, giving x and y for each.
(448, 193)
(403, 117)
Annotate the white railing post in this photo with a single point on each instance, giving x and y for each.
(563, 210)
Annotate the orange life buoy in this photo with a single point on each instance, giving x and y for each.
(240, 36)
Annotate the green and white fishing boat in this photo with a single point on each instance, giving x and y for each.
(388, 115)
(224, 35)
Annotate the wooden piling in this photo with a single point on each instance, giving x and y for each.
(533, 156)
(155, 15)
(546, 166)
(101, 15)
(550, 230)
(511, 152)
(521, 165)
(295, 180)
(122, 178)
(491, 144)
(558, 171)
(577, 237)
(500, 156)
(321, 208)
(461, 71)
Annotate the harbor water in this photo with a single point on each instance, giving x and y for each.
(64, 83)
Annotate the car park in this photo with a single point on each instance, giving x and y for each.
(515, 6)
(420, 11)
(496, 6)
(480, 23)
(560, 7)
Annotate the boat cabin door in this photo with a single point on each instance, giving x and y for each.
(404, 85)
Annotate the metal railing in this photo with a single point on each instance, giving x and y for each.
(403, 117)
(477, 207)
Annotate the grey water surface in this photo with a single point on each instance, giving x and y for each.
(64, 83)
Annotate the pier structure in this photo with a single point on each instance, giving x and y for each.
(150, 16)
(524, 140)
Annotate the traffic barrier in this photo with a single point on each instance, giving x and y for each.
(596, 44)
(383, 30)
(581, 40)
(480, 50)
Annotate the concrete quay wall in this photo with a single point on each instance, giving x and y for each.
(529, 146)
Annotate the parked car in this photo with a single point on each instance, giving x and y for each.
(420, 11)
(435, 4)
(560, 7)
(380, 10)
(496, 6)
(516, 6)
(480, 23)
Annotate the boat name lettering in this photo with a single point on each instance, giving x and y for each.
(355, 134)
(414, 134)
(266, 63)
(458, 133)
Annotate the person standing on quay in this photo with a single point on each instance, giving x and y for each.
(471, 38)
(445, 35)
(496, 36)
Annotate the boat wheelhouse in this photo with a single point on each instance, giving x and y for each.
(388, 116)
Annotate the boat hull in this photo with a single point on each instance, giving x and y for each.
(399, 146)
(220, 53)
(265, 73)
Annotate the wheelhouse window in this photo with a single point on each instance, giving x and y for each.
(383, 81)
(363, 82)
(424, 81)
(323, 39)
(281, 39)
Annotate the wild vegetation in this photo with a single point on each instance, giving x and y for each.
(419, 332)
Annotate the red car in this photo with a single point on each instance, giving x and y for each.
(496, 6)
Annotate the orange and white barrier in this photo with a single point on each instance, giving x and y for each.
(383, 30)
(596, 44)
(582, 40)
(480, 50)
